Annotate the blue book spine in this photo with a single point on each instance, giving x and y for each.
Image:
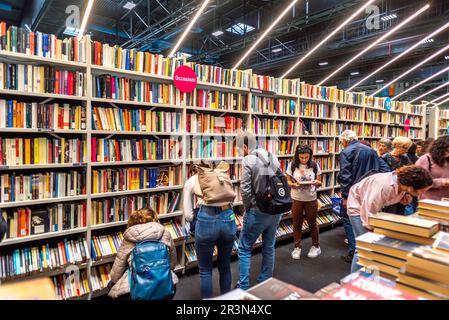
(10, 113)
(127, 66)
(45, 44)
(67, 250)
(93, 252)
(122, 125)
(98, 87)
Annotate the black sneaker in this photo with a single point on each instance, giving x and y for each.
(347, 258)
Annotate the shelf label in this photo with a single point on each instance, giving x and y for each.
(185, 79)
(388, 104)
(259, 91)
(45, 130)
(7, 167)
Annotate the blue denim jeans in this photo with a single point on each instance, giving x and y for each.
(256, 223)
(214, 228)
(358, 230)
(348, 229)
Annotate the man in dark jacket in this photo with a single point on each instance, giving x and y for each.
(356, 160)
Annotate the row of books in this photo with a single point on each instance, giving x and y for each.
(315, 128)
(25, 151)
(22, 40)
(357, 128)
(376, 116)
(211, 147)
(276, 85)
(279, 106)
(317, 92)
(104, 246)
(279, 147)
(273, 126)
(124, 179)
(349, 113)
(133, 60)
(40, 186)
(136, 120)
(326, 180)
(374, 102)
(400, 119)
(318, 145)
(33, 115)
(112, 150)
(71, 286)
(119, 209)
(28, 261)
(309, 109)
(374, 130)
(23, 222)
(41, 79)
(175, 228)
(343, 96)
(413, 133)
(325, 163)
(221, 76)
(324, 200)
(217, 100)
(206, 123)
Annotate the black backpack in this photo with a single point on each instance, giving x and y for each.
(273, 197)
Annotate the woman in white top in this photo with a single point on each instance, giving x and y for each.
(304, 176)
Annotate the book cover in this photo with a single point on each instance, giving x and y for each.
(40, 222)
(274, 289)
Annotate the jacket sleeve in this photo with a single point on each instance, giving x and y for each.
(246, 184)
(3, 228)
(168, 241)
(187, 199)
(121, 261)
(383, 166)
(423, 162)
(346, 178)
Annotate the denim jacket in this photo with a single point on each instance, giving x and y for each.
(253, 173)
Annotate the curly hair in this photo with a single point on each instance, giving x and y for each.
(142, 216)
(302, 149)
(414, 176)
(438, 150)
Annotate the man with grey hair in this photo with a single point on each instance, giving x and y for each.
(255, 222)
(384, 146)
(356, 160)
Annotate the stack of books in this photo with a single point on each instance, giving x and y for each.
(388, 253)
(435, 210)
(427, 269)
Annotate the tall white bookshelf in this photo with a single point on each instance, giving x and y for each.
(438, 122)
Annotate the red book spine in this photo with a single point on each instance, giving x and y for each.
(94, 150)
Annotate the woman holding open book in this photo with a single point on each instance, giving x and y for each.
(304, 177)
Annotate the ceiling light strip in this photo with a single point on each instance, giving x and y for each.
(275, 22)
(440, 103)
(412, 69)
(189, 27)
(396, 28)
(429, 92)
(361, 9)
(85, 18)
(439, 98)
(421, 83)
(417, 44)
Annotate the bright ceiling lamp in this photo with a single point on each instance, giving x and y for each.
(430, 91)
(396, 28)
(413, 68)
(400, 55)
(187, 30)
(421, 83)
(327, 38)
(439, 98)
(85, 18)
(275, 22)
(440, 103)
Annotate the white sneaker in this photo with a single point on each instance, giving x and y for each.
(314, 252)
(296, 253)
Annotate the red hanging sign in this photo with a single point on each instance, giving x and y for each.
(407, 125)
(185, 79)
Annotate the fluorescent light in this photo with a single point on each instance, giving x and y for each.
(129, 5)
(413, 68)
(440, 97)
(400, 55)
(325, 63)
(379, 81)
(430, 91)
(354, 73)
(420, 83)
(327, 38)
(240, 28)
(275, 22)
(389, 17)
(396, 28)
(28, 27)
(446, 57)
(440, 103)
(276, 50)
(428, 40)
(186, 31)
(85, 18)
(217, 33)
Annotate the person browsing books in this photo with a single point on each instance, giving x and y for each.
(377, 191)
(143, 225)
(437, 162)
(215, 225)
(304, 177)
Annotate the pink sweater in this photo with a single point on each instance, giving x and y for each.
(439, 174)
(370, 195)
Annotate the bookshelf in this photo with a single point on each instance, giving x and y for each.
(286, 111)
(438, 122)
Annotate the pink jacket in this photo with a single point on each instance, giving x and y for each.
(439, 174)
(370, 195)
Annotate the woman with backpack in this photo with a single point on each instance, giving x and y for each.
(304, 176)
(437, 162)
(215, 222)
(143, 225)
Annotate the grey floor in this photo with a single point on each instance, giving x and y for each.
(308, 274)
